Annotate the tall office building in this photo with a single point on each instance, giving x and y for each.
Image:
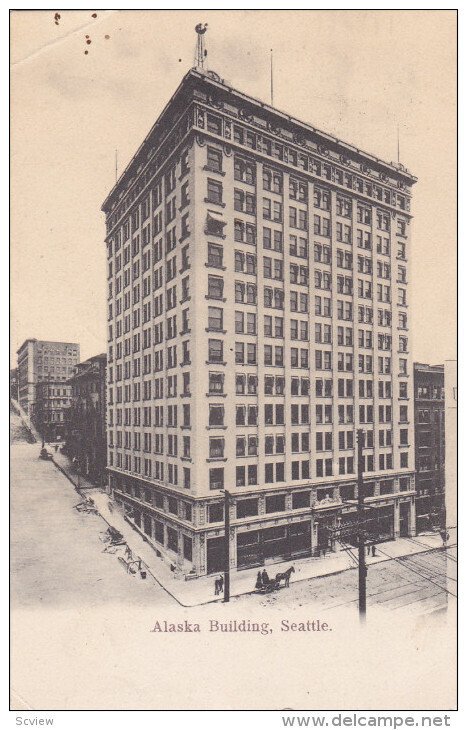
(258, 316)
(42, 360)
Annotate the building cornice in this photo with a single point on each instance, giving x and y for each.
(195, 78)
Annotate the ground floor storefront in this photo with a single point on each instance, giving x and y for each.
(197, 552)
(430, 511)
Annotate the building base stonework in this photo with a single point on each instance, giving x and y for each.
(178, 528)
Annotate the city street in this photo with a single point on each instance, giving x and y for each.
(58, 558)
(56, 552)
(416, 584)
(75, 605)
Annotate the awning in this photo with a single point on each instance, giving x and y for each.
(214, 217)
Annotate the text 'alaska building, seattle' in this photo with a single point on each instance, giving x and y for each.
(258, 274)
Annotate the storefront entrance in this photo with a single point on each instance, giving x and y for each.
(382, 523)
(283, 542)
(325, 538)
(215, 555)
(404, 519)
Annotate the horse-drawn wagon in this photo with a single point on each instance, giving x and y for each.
(264, 584)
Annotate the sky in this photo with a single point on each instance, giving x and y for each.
(356, 74)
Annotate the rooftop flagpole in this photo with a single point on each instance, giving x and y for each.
(272, 79)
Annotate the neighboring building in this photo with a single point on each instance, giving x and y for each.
(53, 399)
(429, 444)
(257, 317)
(450, 380)
(40, 360)
(86, 439)
(14, 383)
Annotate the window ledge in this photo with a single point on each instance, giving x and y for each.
(215, 362)
(214, 266)
(214, 202)
(207, 232)
(213, 428)
(185, 428)
(247, 243)
(215, 299)
(219, 332)
(208, 168)
(186, 458)
(216, 458)
(216, 395)
(185, 299)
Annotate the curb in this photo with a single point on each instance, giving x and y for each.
(77, 489)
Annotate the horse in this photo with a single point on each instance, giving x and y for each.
(285, 576)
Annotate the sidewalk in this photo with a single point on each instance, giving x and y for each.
(201, 590)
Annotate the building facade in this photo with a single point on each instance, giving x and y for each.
(429, 444)
(86, 439)
(258, 316)
(40, 360)
(51, 411)
(14, 383)
(451, 482)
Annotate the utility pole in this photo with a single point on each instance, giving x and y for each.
(361, 532)
(226, 546)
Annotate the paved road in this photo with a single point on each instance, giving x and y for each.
(56, 552)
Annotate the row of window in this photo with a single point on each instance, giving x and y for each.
(248, 445)
(246, 353)
(247, 475)
(301, 160)
(247, 384)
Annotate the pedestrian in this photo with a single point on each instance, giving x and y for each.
(373, 550)
(218, 585)
(368, 548)
(265, 577)
(56, 448)
(259, 582)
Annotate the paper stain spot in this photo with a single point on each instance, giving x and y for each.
(57, 17)
(94, 15)
(86, 53)
(106, 37)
